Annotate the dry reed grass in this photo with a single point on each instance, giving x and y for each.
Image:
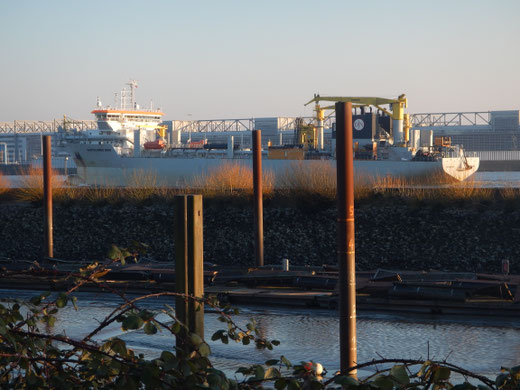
(510, 193)
(465, 191)
(312, 179)
(4, 184)
(102, 193)
(142, 185)
(232, 179)
(32, 186)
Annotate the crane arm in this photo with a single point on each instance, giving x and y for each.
(366, 101)
(384, 110)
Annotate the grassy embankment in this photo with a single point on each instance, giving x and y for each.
(299, 185)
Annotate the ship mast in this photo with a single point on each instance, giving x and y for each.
(133, 85)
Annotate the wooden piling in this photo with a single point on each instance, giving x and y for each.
(346, 238)
(258, 192)
(189, 271)
(47, 196)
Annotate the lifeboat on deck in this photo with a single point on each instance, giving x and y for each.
(158, 144)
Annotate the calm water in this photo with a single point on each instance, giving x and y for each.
(481, 346)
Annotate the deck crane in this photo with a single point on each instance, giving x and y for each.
(399, 118)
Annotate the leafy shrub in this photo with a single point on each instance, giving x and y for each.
(31, 356)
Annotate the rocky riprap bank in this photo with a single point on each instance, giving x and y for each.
(390, 235)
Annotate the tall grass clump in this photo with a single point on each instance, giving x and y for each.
(466, 191)
(141, 185)
(510, 197)
(314, 179)
(102, 193)
(231, 179)
(4, 184)
(31, 189)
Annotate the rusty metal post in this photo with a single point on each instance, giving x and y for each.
(47, 195)
(257, 193)
(189, 272)
(346, 239)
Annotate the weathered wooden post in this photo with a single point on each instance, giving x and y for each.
(257, 194)
(47, 195)
(189, 271)
(346, 238)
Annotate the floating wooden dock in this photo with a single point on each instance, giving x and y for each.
(437, 293)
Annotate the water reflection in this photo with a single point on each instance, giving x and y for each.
(481, 346)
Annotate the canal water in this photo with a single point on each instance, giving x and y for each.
(479, 345)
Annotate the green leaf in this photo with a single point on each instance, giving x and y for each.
(132, 322)
(346, 381)
(285, 361)
(118, 346)
(383, 382)
(515, 370)
(464, 386)
(62, 300)
(176, 327)
(204, 349)
(280, 384)
(316, 385)
(196, 339)
(214, 381)
(293, 385)
(49, 320)
(399, 373)
(441, 374)
(150, 328)
(217, 335)
(114, 253)
(501, 380)
(245, 340)
(259, 372)
(36, 300)
(272, 373)
(424, 368)
(272, 362)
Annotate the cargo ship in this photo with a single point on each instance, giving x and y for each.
(131, 141)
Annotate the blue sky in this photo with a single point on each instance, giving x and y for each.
(233, 59)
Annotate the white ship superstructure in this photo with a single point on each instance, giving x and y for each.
(117, 124)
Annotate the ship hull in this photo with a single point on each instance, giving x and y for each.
(101, 165)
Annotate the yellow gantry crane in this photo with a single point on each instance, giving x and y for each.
(399, 118)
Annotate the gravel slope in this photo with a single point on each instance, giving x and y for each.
(399, 236)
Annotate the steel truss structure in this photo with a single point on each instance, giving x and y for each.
(451, 119)
(245, 124)
(422, 120)
(23, 127)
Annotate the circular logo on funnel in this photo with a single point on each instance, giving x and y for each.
(359, 124)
